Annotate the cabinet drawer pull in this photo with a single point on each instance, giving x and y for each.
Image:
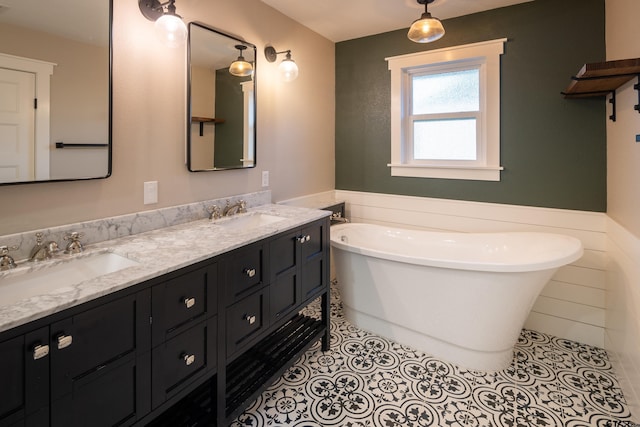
(250, 319)
(189, 302)
(250, 272)
(302, 239)
(64, 341)
(40, 351)
(189, 359)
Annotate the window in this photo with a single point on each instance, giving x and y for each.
(445, 112)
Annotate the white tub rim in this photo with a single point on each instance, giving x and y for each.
(574, 250)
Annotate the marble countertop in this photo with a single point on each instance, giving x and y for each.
(157, 252)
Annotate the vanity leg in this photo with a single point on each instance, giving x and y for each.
(326, 319)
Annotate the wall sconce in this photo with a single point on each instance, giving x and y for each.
(240, 67)
(288, 68)
(169, 26)
(426, 29)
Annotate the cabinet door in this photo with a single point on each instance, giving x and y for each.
(98, 363)
(12, 403)
(314, 259)
(182, 301)
(109, 397)
(244, 272)
(284, 289)
(183, 359)
(24, 370)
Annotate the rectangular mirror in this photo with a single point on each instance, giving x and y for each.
(55, 90)
(221, 113)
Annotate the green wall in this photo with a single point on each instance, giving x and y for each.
(553, 149)
(230, 107)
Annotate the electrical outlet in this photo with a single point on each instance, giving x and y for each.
(150, 192)
(265, 178)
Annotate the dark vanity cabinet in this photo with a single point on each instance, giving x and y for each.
(228, 325)
(90, 362)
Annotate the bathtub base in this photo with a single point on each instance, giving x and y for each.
(463, 357)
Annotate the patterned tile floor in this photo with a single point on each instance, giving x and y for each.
(366, 380)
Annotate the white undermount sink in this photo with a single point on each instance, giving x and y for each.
(247, 221)
(20, 286)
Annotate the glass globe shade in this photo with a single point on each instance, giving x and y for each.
(426, 29)
(241, 68)
(288, 70)
(171, 30)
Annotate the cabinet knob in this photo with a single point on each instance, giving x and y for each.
(250, 272)
(188, 359)
(40, 351)
(250, 319)
(64, 341)
(189, 302)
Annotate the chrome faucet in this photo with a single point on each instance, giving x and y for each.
(75, 245)
(42, 251)
(235, 208)
(214, 212)
(337, 217)
(6, 261)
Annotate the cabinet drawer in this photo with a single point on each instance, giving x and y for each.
(182, 300)
(244, 272)
(183, 359)
(245, 320)
(85, 343)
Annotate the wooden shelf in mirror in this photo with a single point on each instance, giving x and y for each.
(203, 120)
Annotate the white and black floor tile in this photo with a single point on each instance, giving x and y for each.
(367, 380)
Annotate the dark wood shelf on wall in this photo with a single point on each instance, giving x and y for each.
(203, 120)
(604, 78)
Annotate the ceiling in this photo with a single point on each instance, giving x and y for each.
(340, 20)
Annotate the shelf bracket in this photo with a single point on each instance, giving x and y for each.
(637, 88)
(612, 101)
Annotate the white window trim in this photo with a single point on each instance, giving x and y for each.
(401, 66)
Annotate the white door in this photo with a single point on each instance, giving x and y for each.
(17, 125)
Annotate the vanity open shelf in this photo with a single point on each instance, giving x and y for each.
(604, 78)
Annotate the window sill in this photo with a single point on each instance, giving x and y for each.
(485, 173)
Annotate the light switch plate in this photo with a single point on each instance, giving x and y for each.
(265, 178)
(150, 192)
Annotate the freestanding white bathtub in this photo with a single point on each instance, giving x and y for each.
(463, 297)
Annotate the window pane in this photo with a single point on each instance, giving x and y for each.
(446, 92)
(453, 139)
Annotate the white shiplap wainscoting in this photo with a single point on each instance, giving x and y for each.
(623, 310)
(572, 305)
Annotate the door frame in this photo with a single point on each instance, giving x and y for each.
(43, 71)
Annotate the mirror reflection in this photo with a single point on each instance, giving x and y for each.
(54, 90)
(221, 101)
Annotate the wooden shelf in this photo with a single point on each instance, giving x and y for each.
(203, 120)
(602, 78)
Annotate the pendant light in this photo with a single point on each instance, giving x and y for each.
(426, 29)
(240, 67)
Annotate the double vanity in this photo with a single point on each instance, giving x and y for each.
(121, 333)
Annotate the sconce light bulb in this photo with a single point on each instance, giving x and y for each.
(171, 30)
(288, 69)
